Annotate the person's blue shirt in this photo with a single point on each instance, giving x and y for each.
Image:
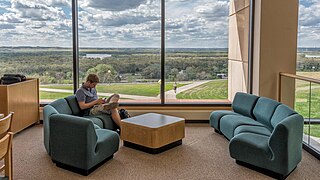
(87, 95)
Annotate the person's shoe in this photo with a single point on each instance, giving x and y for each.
(113, 98)
(110, 105)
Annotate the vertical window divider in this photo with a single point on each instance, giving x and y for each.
(75, 45)
(162, 62)
(250, 49)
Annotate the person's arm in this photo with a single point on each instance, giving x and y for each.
(84, 105)
(81, 98)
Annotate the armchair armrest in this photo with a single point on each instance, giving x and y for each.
(47, 112)
(286, 141)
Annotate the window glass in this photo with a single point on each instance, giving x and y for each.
(120, 41)
(308, 65)
(196, 50)
(35, 40)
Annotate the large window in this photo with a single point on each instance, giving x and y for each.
(35, 40)
(121, 41)
(196, 50)
(308, 64)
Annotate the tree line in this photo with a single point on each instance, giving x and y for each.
(54, 65)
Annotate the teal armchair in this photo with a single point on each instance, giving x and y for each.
(76, 142)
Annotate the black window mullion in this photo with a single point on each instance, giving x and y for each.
(162, 73)
(75, 45)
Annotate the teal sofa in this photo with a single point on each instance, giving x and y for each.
(264, 134)
(76, 142)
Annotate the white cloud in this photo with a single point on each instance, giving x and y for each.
(112, 23)
(7, 26)
(113, 5)
(36, 10)
(309, 23)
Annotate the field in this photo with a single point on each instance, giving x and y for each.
(211, 90)
(141, 89)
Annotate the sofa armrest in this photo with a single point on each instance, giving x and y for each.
(286, 141)
(72, 140)
(48, 110)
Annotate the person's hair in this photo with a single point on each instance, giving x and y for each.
(93, 78)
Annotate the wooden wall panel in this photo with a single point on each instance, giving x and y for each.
(22, 99)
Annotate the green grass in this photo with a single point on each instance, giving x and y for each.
(302, 104)
(142, 89)
(53, 95)
(212, 90)
(64, 87)
(314, 130)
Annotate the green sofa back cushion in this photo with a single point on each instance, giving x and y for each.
(244, 103)
(62, 106)
(280, 114)
(73, 103)
(264, 110)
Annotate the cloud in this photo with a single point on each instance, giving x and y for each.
(309, 23)
(36, 10)
(10, 18)
(7, 26)
(114, 5)
(59, 3)
(212, 11)
(133, 23)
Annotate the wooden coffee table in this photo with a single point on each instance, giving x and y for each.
(152, 133)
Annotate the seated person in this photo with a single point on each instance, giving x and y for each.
(90, 102)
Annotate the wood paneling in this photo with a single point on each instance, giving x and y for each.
(238, 47)
(22, 99)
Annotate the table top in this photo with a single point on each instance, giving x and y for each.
(153, 120)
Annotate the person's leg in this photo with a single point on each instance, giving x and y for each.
(116, 117)
(113, 98)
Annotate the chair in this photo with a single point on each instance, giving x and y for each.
(6, 145)
(5, 124)
(6, 154)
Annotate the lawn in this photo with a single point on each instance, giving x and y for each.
(217, 89)
(53, 95)
(212, 90)
(303, 104)
(142, 89)
(314, 130)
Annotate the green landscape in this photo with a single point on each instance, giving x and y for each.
(136, 71)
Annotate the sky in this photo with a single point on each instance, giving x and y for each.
(132, 23)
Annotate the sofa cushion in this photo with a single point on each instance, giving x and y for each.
(252, 129)
(251, 148)
(107, 121)
(73, 103)
(280, 114)
(264, 110)
(244, 103)
(215, 117)
(229, 123)
(62, 106)
(95, 120)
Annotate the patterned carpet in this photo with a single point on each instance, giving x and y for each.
(203, 155)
